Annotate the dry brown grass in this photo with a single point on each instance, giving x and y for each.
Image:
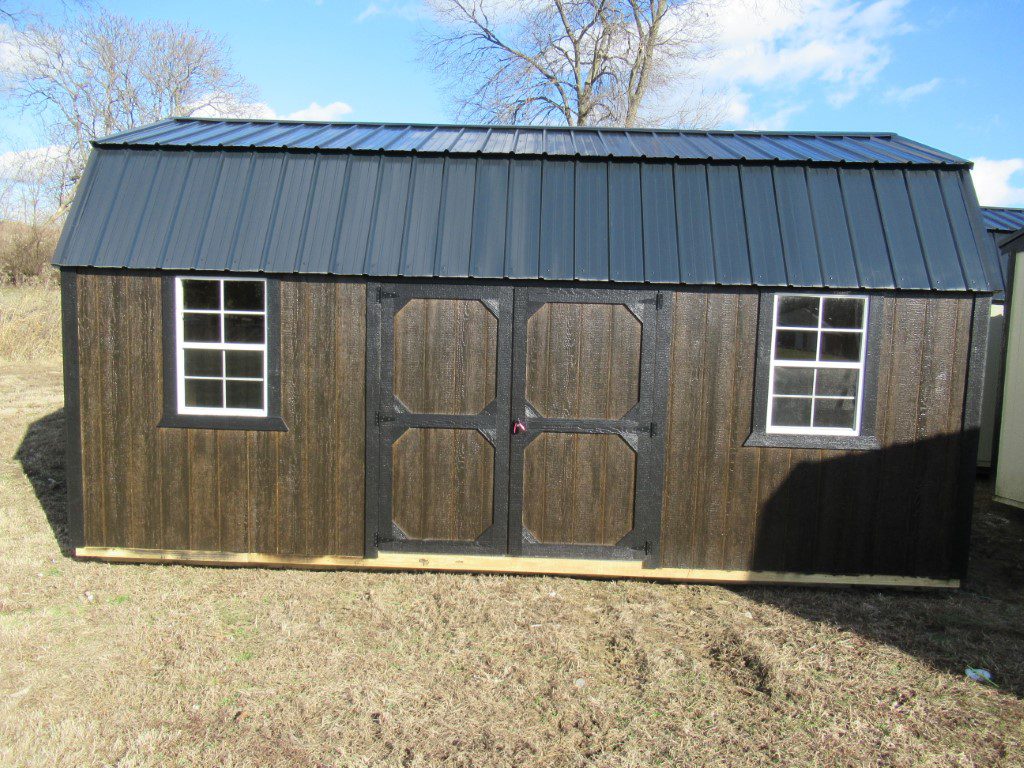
(30, 321)
(26, 250)
(175, 666)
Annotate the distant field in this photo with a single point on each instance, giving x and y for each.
(121, 665)
(30, 321)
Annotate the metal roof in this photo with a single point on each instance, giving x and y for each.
(1002, 219)
(998, 222)
(528, 218)
(1012, 242)
(853, 148)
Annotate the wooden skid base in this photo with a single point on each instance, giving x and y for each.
(610, 569)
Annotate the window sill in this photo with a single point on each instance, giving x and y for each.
(241, 423)
(818, 442)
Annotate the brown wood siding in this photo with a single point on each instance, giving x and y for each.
(887, 511)
(298, 492)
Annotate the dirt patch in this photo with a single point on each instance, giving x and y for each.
(742, 664)
(629, 660)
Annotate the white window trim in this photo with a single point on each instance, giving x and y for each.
(181, 345)
(770, 428)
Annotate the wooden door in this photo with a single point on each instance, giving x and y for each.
(442, 418)
(582, 464)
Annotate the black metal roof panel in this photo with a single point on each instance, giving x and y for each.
(1002, 219)
(748, 146)
(1012, 242)
(528, 218)
(999, 222)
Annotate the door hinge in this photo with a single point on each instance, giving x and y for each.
(378, 539)
(383, 418)
(659, 301)
(647, 549)
(382, 294)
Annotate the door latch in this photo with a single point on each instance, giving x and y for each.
(518, 426)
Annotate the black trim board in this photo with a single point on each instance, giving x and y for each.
(272, 422)
(970, 430)
(72, 408)
(371, 441)
(867, 440)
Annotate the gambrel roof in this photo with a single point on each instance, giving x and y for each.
(627, 206)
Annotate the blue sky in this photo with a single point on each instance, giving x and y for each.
(948, 74)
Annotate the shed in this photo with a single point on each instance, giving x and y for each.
(1000, 223)
(716, 356)
(1010, 433)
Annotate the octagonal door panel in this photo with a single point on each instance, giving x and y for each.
(445, 356)
(443, 411)
(443, 484)
(578, 489)
(583, 360)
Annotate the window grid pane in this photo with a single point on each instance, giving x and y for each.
(222, 346)
(832, 352)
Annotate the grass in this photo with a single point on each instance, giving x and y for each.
(104, 665)
(30, 320)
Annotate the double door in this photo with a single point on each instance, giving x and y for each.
(515, 421)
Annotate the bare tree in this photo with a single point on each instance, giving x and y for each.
(98, 73)
(28, 230)
(581, 62)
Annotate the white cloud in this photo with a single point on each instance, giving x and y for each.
(21, 161)
(16, 54)
(404, 9)
(333, 111)
(903, 95)
(994, 181)
(260, 110)
(371, 10)
(777, 120)
(777, 46)
(30, 181)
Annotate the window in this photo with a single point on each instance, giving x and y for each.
(222, 346)
(818, 349)
(817, 362)
(221, 367)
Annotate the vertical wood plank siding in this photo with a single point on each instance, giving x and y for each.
(892, 510)
(297, 492)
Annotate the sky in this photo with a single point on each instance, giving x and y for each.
(948, 74)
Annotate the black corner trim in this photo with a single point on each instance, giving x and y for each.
(72, 409)
(867, 440)
(272, 422)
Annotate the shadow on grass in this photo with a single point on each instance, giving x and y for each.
(980, 625)
(41, 455)
(896, 511)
